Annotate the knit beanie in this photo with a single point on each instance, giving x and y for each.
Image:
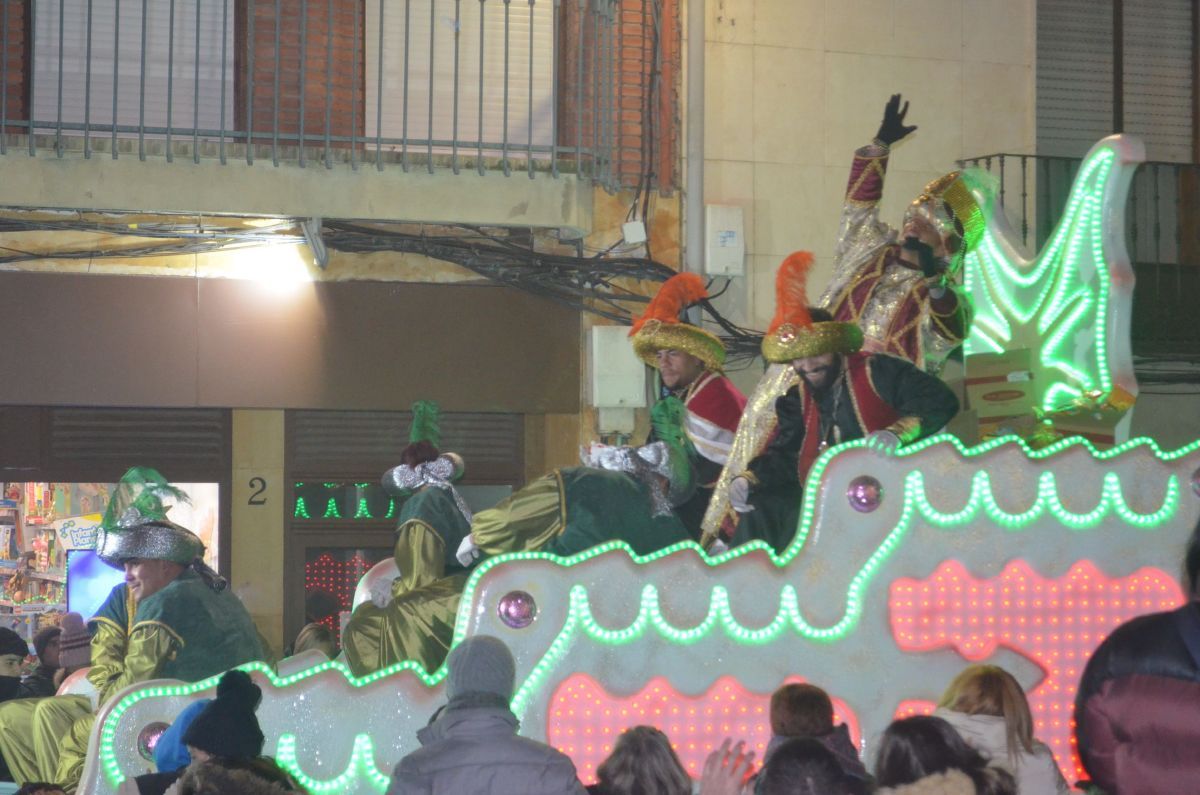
(170, 753)
(75, 643)
(227, 727)
(480, 664)
(12, 643)
(42, 639)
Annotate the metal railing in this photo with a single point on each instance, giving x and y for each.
(1162, 234)
(517, 86)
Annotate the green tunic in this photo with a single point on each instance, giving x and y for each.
(211, 630)
(570, 510)
(185, 631)
(418, 624)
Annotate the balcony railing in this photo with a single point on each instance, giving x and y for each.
(1162, 234)
(528, 87)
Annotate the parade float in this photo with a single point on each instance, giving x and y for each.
(1023, 550)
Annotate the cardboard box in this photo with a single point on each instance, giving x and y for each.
(1103, 427)
(1000, 385)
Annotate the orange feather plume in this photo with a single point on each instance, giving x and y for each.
(676, 294)
(791, 291)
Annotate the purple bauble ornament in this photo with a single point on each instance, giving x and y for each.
(148, 739)
(865, 493)
(517, 609)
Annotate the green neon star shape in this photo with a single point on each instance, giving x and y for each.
(1071, 304)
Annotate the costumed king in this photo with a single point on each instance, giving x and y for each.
(843, 393)
(689, 361)
(900, 290)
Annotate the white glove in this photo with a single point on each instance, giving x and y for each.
(467, 552)
(739, 495)
(885, 442)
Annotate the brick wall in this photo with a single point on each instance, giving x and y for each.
(646, 128)
(13, 68)
(303, 66)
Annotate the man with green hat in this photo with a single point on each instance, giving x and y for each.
(172, 618)
(418, 622)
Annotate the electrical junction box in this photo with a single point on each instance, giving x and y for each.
(617, 377)
(634, 232)
(725, 240)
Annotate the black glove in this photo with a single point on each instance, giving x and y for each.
(893, 128)
(931, 265)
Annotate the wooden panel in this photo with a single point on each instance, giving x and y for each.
(371, 346)
(98, 340)
(80, 340)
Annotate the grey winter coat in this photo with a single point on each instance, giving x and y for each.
(475, 750)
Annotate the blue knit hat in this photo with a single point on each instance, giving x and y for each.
(171, 753)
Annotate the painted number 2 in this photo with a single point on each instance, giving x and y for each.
(259, 485)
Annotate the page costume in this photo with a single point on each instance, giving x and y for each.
(192, 628)
(418, 623)
(714, 405)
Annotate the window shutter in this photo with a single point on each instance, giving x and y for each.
(160, 61)
(185, 444)
(99, 444)
(364, 444)
(522, 16)
(1158, 76)
(1074, 75)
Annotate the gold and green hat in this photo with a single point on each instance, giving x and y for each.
(135, 524)
(792, 333)
(660, 328)
(952, 203)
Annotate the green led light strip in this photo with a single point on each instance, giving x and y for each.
(1067, 302)
(362, 762)
(108, 759)
(980, 501)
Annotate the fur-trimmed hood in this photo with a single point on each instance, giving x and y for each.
(207, 778)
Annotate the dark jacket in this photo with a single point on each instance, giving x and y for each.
(838, 741)
(475, 749)
(39, 683)
(1136, 711)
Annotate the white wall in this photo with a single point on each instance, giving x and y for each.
(794, 86)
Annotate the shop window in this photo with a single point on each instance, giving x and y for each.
(331, 575)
